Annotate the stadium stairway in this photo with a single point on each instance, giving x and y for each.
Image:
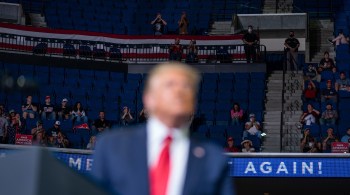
(272, 117)
(324, 30)
(292, 112)
(221, 28)
(283, 6)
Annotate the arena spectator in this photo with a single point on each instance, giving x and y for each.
(158, 24)
(346, 137)
(126, 117)
(175, 51)
(310, 93)
(53, 131)
(292, 45)
(78, 113)
(327, 142)
(230, 147)
(101, 123)
(329, 116)
(252, 127)
(15, 126)
(38, 133)
(29, 109)
(342, 83)
(250, 40)
(92, 143)
(326, 63)
(47, 110)
(143, 116)
(3, 127)
(329, 93)
(309, 116)
(308, 143)
(236, 114)
(183, 24)
(192, 52)
(63, 109)
(340, 39)
(61, 141)
(247, 146)
(311, 73)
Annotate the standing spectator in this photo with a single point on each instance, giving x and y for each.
(342, 83)
(126, 117)
(292, 44)
(327, 142)
(47, 110)
(39, 134)
(78, 113)
(250, 40)
(53, 131)
(14, 127)
(143, 116)
(158, 24)
(247, 146)
(175, 51)
(340, 39)
(231, 146)
(101, 123)
(326, 63)
(63, 109)
(308, 143)
(329, 93)
(329, 116)
(310, 93)
(3, 127)
(29, 109)
(192, 52)
(309, 116)
(92, 143)
(346, 137)
(236, 114)
(183, 24)
(252, 127)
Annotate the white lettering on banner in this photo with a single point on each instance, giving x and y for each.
(281, 168)
(267, 169)
(89, 164)
(75, 163)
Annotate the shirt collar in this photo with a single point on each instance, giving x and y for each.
(158, 130)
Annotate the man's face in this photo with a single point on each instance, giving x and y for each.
(329, 84)
(330, 131)
(342, 76)
(171, 94)
(64, 103)
(329, 107)
(326, 56)
(291, 34)
(47, 100)
(230, 143)
(102, 115)
(56, 126)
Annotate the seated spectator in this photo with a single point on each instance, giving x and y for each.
(38, 133)
(3, 127)
(247, 146)
(252, 127)
(101, 123)
(183, 24)
(29, 109)
(329, 116)
(126, 117)
(343, 83)
(309, 116)
(158, 25)
(175, 51)
(15, 126)
(311, 73)
(53, 131)
(308, 143)
(61, 141)
(346, 137)
(143, 116)
(340, 39)
(47, 110)
(192, 52)
(327, 142)
(310, 93)
(329, 93)
(236, 114)
(63, 109)
(326, 63)
(78, 113)
(92, 143)
(231, 146)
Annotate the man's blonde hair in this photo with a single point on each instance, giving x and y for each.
(192, 73)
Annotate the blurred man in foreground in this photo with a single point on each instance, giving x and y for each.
(160, 157)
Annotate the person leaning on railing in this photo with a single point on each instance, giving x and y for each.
(250, 40)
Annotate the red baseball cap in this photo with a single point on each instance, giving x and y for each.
(47, 97)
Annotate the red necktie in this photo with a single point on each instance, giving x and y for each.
(159, 175)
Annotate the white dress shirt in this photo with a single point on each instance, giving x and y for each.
(179, 148)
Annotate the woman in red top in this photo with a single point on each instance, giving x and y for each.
(310, 93)
(230, 146)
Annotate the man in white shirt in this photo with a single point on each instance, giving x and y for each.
(165, 159)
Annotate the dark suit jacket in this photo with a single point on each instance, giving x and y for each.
(120, 164)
